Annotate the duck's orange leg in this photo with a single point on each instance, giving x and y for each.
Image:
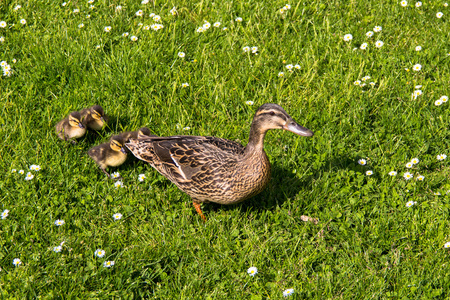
(199, 210)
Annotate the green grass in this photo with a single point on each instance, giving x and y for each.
(367, 244)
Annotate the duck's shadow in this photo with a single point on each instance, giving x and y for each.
(285, 185)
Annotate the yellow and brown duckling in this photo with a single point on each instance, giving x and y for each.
(94, 117)
(211, 169)
(71, 127)
(127, 135)
(111, 154)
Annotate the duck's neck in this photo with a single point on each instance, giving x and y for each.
(255, 144)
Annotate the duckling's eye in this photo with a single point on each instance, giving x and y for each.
(272, 113)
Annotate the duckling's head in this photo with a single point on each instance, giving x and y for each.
(75, 120)
(97, 112)
(116, 144)
(272, 116)
(144, 131)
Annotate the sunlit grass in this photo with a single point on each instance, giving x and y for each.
(379, 234)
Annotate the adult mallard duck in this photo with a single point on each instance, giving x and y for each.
(211, 169)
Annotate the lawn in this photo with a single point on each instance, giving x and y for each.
(370, 78)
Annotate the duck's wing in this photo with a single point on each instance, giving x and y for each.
(184, 159)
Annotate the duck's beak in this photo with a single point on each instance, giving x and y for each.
(123, 150)
(297, 129)
(80, 125)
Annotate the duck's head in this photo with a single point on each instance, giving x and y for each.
(272, 116)
(97, 112)
(144, 131)
(116, 144)
(75, 120)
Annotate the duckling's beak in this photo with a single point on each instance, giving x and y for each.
(102, 118)
(80, 125)
(123, 150)
(297, 129)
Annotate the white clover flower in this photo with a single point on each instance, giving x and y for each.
(147, 27)
(392, 173)
(369, 172)
(445, 4)
(357, 82)
(3, 24)
(289, 67)
(348, 37)
(369, 33)
(2, 39)
(21, 172)
(417, 67)
(118, 184)
(415, 161)
(225, 29)
(108, 264)
(81, 25)
(404, 3)
(238, 19)
(417, 93)
(141, 177)
(438, 102)
(249, 102)
(181, 54)
(439, 15)
(118, 7)
(377, 28)
(91, 7)
(13, 170)
(246, 49)
(287, 7)
(418, 48)
(418, 4)
(441, 157)
(379, 44)
(252, 271)
(144, 2)
(420, 177)
(76, 10)
(140, 24)
(363, 46)
(99, 253)
(297, 67)
(254, 49)
(200, 29)
(59, 222)
(23, 21)
(186, 128)
(29, 176)
(17, 262)
(64, 4)
(288, 292)
(57, 249)
(117, 216)
(125, 34)
(409, 165)
(282, 10)
(407, 175)
(280, 74)
(410, 203)
(362, 162)
(152, 15)
(173, 11)
(447, 245)
(217, 24)
(107, 28)
(437, 193)
(444, 99)
(4, 214)
(90, 1)
(139, 13)
(133, 38)
(17, 7)
(157, 27)
(418, 86)
(88, 16)
(156, 18)
(115, 175)
(184, 85)
(206, 26)
(365, 78)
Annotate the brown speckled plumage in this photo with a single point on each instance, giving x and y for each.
(71, 127)
(211, 169)
(127, 135)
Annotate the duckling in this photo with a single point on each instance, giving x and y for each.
(71, 127)
(212, 169)
(94, 116)
(127, 135)
(111, 154)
